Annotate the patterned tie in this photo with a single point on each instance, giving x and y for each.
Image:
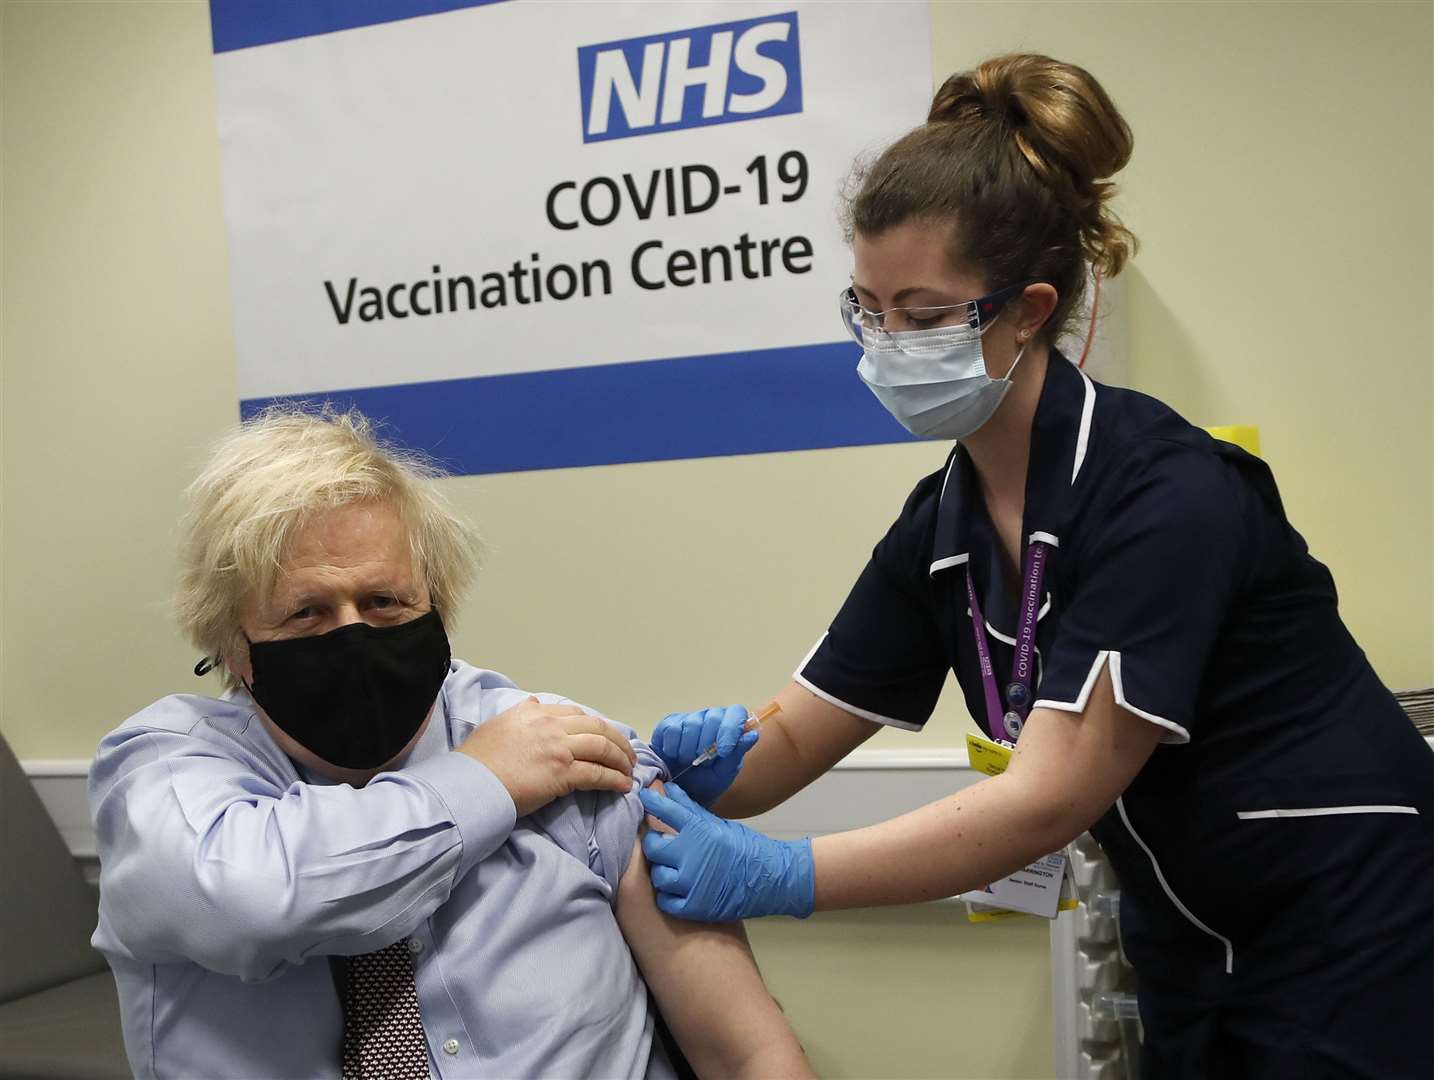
(383, 1031)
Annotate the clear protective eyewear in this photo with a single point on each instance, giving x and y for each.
(869, 328)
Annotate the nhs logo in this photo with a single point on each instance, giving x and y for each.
(691, 78)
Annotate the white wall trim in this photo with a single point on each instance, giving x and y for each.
(56, 767)
(60, 783)
(954, 757)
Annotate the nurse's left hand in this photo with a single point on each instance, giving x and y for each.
(714, 870)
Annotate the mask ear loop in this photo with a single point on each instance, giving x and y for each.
(209, 663)
(1026, 340)
(1017, 360)
(242, 681)
(1024, 336)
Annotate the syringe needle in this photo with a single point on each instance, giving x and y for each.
(754, 721)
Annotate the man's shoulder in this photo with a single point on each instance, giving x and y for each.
(474, 695)
(191, 725)
(595, 827)
(468, 690)
(182, 714)
(182, 720)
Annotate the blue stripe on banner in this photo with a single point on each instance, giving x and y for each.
(759, 402)
(241, 24)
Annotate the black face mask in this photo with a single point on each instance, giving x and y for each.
(356, 695)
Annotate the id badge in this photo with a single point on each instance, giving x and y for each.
(1043, 888)
(1036, 890)
(987, 756)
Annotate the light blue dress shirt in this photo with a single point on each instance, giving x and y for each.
(228, 880)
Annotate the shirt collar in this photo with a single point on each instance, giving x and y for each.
(1060, 438)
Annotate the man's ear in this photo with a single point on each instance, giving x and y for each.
(236, 660)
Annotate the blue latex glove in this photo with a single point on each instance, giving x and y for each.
(716, 870)
(681, 737)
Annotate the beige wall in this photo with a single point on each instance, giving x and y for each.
(1281, 186)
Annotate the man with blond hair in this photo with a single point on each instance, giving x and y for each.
(366, 858)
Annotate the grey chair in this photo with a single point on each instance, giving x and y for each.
(59, 1015)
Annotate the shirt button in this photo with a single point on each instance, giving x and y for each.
(415, 946)
(450, 1046)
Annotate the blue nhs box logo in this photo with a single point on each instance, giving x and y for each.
(691, 78)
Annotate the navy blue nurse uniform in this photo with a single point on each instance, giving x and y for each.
(1276, 853)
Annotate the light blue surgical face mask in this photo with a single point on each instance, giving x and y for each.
(934, 381)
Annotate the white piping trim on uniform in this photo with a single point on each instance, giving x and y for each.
(813, 651)
(1182, 735)
(949, 560)
(1006, 638)
(947, 478)
(1083, 439)
(1040, 663)
(865, 714)
(1323, 811)
(1079, 704)
(1045, 537)
(996, 633)
(1169, 892)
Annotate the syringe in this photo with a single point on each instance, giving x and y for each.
(754, 721)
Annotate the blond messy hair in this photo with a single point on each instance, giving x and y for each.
(274, 473)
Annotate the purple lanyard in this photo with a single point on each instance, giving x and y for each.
(1004, 724)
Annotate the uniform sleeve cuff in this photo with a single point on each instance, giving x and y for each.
(477, 801)
(1176, 733)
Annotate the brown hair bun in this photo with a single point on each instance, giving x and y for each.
(1015, 156)
(1065, 126)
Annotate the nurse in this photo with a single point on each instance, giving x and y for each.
(1118, 594)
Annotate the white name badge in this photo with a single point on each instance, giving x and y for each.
(1036, 890)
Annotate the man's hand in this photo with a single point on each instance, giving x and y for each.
(543, 752)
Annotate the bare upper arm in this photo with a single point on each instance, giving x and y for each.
(1077, 764)
(662, 945)
(798, 745)
(659, 942)
(706, 983)
(822, 733)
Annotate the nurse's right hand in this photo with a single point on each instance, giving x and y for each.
(680, 738)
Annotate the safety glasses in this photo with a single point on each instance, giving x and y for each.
(879, 328)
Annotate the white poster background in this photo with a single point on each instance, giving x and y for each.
(382, 151)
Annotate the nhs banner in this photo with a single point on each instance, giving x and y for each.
(532, 235)
(711, 75)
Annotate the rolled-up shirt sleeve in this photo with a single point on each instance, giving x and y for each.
(616, 818)
(1161, 560)
(203, 860)
(600, 827)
